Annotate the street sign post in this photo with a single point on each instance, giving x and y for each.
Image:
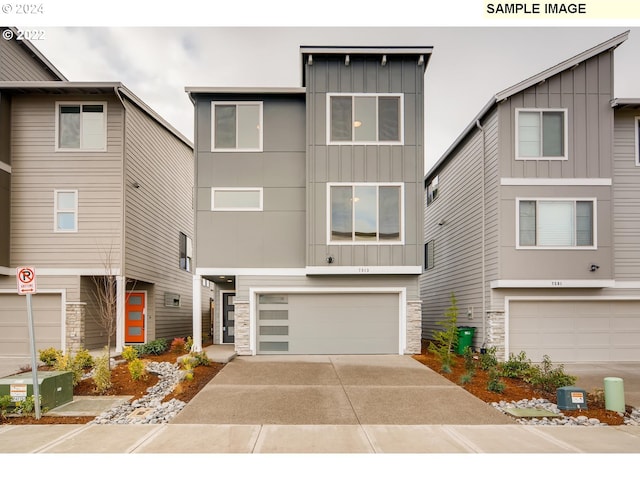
(26, 277)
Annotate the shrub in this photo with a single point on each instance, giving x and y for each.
(495, 384)
(102, 372)
(155, 347)
(547, 378)
(5, 403)
(178, 345)
(27, 406)
(48, 356)
(516, 366)
(137, 369)
(488, 359)
(83, 359)
(445, 340)
(188, 344)
(466, 378)
(469, 363)
(129, 353)
(67, 363)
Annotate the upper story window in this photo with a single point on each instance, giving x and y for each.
(432, 190)
(366, 118)
(236, 126)
(429, 255)
(541, 134)
(556, 224)
(365, 213)
(186, 252)
(637, 129)
(65, 210)
(236, 199)
(81, 126)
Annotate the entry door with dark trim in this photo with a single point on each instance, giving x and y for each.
(134, 317)
(228, 317)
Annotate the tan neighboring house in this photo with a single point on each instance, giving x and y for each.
(532, 218)
(93, 182)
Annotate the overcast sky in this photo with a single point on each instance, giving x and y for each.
(468, 65)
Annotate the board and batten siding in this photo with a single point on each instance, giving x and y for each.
(275, 236)
(626, 197)
(586, 92)
(38, 170)
(458, 249)
(155, 214)
(17, 64)
(364, 163)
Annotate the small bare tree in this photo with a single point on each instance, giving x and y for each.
(105, 295)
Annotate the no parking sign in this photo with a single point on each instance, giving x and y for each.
(26, 277)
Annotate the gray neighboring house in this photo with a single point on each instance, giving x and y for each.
(309, 205)
(93, 183)
(532, 218)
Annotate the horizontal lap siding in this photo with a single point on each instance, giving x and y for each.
(17, 64)
(37, 170)
(155, 214)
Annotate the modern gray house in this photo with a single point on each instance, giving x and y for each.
(309, 205)
(94, 183)
(532, 218)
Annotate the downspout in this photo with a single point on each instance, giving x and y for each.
(484, 283)
(122, 281)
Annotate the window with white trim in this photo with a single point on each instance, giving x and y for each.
(541, 134)
(65, 210)
(365, 118)
(236, 199)
(556, 224)
(429, 255)
(432, 190)
(186, 252)
(236, 126)
(637, 130)
(365, 213)
(81, 126)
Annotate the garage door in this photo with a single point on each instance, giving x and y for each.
(575, 331)
(359, 323)
(14, 328)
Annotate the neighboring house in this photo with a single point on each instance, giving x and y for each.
(94, 183)
(532, 218)
(309, 205)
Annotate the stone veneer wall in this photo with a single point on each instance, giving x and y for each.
(496, 332)
(75, 326)
(242, 334)
(414, 327)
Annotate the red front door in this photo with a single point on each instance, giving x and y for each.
(134, 317)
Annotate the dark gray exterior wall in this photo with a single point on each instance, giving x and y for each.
(364, 163)
(274, 237)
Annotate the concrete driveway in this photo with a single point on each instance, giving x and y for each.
(335, 390)
(591, 376)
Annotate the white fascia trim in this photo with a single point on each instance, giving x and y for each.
(366, 270)
(73, 271)
(559, 283)
(626, 285)
(5, 167)
(207, 272)
(400, 291)
(7, 271)
(562, 182)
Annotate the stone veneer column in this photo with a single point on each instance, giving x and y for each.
(75, 325)
(242, 333)
(414, 327)
(496, 332)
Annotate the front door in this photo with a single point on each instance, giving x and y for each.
(134, 317)
(228, 317)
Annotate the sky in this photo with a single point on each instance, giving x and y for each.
(468, 66)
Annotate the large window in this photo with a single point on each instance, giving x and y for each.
(541, 134)
(365, 213)
(81, 126)
(364, 118)
(237, 126)
(556, 223)
(186, 252)
(236, 199)
(65, 210)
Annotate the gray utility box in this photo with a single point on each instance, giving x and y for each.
(571, 398)
(55, 387)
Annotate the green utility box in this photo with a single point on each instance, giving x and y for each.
(55, 387)
(571, 398)
(465, 338)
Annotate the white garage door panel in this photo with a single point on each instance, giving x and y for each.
(333, 324)
(14, 329)
(575, 331)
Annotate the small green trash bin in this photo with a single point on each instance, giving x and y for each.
(465, 338)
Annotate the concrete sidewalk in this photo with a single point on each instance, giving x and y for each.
(183, 439)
